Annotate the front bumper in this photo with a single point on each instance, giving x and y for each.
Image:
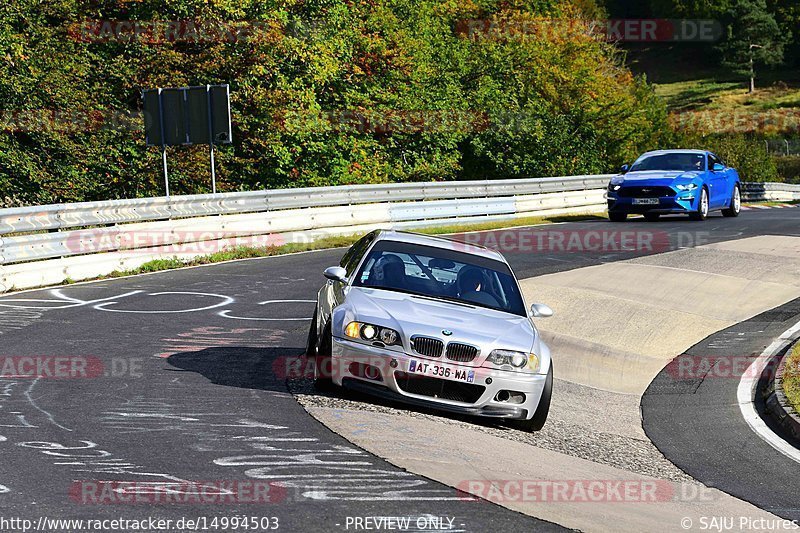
(394, 382)
(679, 204)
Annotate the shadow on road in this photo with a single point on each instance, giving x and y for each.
(240, 366)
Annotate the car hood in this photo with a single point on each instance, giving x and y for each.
(658, 177)
(411, 315)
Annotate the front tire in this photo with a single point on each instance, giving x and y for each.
(536, 423)
(702, 206)
(320, 353)
(617, 217)
(735, 206)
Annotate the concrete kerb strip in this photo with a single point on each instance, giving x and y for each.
(777, 405)
(747, 390)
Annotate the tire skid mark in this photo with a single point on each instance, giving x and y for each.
(273, 452)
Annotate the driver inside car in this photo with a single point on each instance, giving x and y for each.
(388, 271)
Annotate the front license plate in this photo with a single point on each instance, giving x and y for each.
(645, 201)
(425, 368)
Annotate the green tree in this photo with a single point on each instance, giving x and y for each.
(753, 38)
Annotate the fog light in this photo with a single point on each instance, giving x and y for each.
(371, 372)
(393, 363)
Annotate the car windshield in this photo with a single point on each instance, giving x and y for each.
(682, 161)
(443, 274)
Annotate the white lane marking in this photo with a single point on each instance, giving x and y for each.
(285, 301)
(70, 302)
(746, 392)
(227, 314)
(225, 301)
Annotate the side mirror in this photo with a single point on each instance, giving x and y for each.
(624, 168)
(541, 311)
(717, 167)
(336, 273)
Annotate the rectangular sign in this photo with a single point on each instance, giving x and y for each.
(187, 116)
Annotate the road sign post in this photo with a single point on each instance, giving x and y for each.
(188, 116)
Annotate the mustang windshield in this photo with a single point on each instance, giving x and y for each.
(684, 162)
(443, 274)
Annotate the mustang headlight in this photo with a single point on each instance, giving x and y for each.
(511, 357)
(615, 183)
(369, 332)
(687, 187)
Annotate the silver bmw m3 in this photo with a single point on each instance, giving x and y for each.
(432, 322)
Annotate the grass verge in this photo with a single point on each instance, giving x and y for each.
(248, 252)
(771, 203)
(791, 378)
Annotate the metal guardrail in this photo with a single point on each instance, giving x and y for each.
(43, 245)
(771, 191)
(62, 216)
(115, 224)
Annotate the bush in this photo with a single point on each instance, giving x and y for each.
(788, 168)
(313, 92)
(745, 153)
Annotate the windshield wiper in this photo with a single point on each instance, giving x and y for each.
(447, 299)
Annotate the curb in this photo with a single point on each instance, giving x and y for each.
(777, 405)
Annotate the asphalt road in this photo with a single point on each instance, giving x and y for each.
(178, 381)
(693, 416)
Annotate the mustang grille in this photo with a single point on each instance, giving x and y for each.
(461, 352)
(427, 346)
(645, 192)
(438, 388)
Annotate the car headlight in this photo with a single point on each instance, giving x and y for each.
(370, 332)
(511, 357)
(687, 187)
(615, 184)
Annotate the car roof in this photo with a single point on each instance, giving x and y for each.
(677, 151)
(440, 242)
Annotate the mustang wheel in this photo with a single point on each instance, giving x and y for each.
(617, 217)
(736, 204)
(651, 217)
(702, 207)
(540, 416)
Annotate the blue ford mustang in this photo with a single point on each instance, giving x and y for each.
(663, 182)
